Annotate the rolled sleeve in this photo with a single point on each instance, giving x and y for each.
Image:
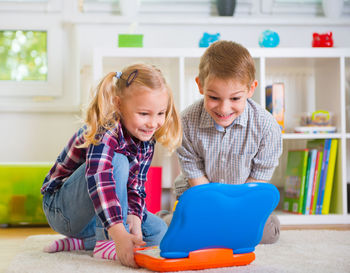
(101, 184)
(137, 179)
(136, 199)
(269, 152)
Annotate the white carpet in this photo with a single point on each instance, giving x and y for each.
(297, 251)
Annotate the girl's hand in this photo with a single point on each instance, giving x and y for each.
(134, 223)
(125, 244)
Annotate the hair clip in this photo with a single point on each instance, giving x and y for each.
(118, 74)
(131, 77)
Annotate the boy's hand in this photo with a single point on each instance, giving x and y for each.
(198, 181)
(125, 244)
(134, 223)
(252, 180)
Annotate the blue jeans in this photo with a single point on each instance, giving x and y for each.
(70, 211)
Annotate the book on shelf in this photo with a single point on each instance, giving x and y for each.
(295, 180)
(325, 183)
(316, 181)
(275, 102)
(322, 144)
(309, 180)
(324, 170)
(330, 176)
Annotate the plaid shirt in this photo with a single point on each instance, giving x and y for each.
(99, 172)
(249, 147)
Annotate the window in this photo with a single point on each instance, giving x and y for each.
(23, 55)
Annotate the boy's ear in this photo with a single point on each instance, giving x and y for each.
(200, 87)
(252, 88)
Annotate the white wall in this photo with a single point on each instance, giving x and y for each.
(39, 136)
(34, 137)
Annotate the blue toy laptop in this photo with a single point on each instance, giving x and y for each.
(214, 225)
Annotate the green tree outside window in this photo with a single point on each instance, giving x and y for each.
(23, 55)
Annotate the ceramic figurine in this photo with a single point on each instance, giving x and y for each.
(269, 38)
(208, 39)
(322, 39)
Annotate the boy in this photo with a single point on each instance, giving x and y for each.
(227, 137)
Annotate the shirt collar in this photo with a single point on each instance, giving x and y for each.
(132, 144)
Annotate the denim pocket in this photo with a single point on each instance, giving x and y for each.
(58, 221)
(55, 217)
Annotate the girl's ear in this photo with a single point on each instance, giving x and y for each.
(252, 88)
(200, 87)
(117, 103)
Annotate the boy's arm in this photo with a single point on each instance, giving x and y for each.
(191, 162)
(269, 152)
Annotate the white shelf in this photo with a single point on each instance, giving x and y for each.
(315, 79)
(310, 136)
(278, 52)
(211, 20)
(293, 220)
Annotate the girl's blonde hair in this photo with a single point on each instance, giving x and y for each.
(103, 114)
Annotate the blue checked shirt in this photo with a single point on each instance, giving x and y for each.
(249, 147)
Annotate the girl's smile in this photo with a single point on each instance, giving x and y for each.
(143, 111)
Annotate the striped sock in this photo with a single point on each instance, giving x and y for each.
(105, 250)
(65, 244)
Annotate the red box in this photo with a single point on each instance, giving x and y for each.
(153, 189)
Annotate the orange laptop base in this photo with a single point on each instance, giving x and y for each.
(214, 225)
(149, 257)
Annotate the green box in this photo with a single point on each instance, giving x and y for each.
(20, 197)
(130, 40)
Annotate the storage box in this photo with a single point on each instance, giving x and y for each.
(21, 200)
(153, 189)
(130, 40)
(20, 197)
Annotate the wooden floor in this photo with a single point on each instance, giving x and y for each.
(12, 238)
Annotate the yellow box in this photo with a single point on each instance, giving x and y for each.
(20, 197)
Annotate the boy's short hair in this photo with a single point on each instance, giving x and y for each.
(227, 60)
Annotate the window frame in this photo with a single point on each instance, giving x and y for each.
(32, 6)
(296, 8)
(198, 7)
(207, 8)
(53, 85)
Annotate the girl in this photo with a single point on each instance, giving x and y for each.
(95, 190)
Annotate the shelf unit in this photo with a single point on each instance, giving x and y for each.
(314, 78)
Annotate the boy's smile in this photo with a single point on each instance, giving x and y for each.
(224, 100)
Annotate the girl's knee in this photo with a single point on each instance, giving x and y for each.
(163, 227)
(154, 230)
(159, 232)
(120, 167)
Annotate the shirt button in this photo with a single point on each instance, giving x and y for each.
(222, 159)
(136, 172)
